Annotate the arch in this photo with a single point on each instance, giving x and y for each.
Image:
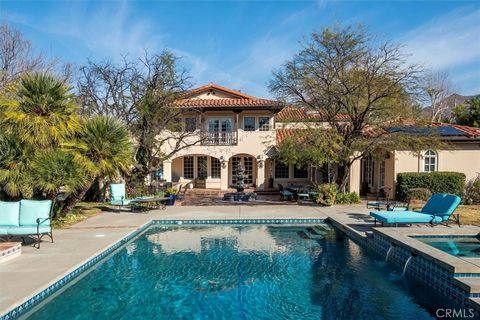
(249, 162)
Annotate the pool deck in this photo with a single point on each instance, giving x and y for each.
(34, 270)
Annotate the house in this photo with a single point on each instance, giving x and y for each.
(234, 128)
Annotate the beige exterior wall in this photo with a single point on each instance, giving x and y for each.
(252, 143)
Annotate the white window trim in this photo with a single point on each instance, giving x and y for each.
(434, 156)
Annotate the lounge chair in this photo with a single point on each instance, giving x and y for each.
(438, 209)
(285, 194)
(117, 195)
(26, 218)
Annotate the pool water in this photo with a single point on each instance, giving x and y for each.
(468, 246)
(237, 272)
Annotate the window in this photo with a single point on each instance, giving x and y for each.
(248, 164)
(190, 124)
(215, 167)
(188, 167)
(202, 167)
(249, 123)
(368, 169)
(281, 170)
(300, 173)
(430, 161)
(264, 123)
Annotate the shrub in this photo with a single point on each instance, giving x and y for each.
(472, 192)
(326, 194)
(347, 198)
(436, 182)
(171, 191)
(419, 194)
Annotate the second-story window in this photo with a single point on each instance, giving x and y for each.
(263, 123)
(190, 124)
(249, 123)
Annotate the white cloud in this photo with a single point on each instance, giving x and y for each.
(446, 41)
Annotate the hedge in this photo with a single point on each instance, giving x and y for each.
(436, 182)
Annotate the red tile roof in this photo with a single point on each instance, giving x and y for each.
(296, 114)
(470, 132)
(213, 86)
(371, 132)
(238, 99)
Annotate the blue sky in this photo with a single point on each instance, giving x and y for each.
(238, 43)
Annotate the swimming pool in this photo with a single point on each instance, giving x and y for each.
(460, 246)
(237, 272)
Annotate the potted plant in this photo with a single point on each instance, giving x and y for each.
(171, 194)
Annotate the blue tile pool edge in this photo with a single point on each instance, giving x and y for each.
(37, 298)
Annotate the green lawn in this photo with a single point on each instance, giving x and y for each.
(82, 211)
(469, 214)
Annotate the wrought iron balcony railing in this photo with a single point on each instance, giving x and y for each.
(218, 138)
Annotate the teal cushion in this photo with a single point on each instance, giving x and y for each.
(404, 217)
(432, 205)
(18, 231)
(117, 191)
(4, 230)
(30, 210)
(448, 205)
(9, 213)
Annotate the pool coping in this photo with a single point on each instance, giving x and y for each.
(26, 304)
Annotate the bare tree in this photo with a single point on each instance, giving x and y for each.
(16, 56)
(437, 87)
(142, 93)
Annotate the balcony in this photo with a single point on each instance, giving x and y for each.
(218, 138)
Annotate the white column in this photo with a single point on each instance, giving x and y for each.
(260, 174)
(167, 170)
(224, 175)
(354, 181)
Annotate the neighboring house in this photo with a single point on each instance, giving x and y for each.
(236, 128)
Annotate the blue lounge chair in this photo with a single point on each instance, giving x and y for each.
(438, 209)
(117, 195)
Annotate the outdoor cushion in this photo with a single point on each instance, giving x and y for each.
(117, 191)
(30, 210)
(16, 231)
(447, 206)
(404, 217)
(3, 230)
(433, 204)
(9, 212)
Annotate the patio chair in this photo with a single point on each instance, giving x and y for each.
(438, 209)
(181, 193)
(117, 195)
(285, 194)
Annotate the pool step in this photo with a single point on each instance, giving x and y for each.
(314, 234)
(471, 285)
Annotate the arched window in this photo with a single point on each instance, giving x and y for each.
(430, 161)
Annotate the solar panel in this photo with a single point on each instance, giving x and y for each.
(443, 131)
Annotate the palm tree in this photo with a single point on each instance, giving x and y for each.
(43, 111)
(39, 115)
(53, 169)
(103, 146)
